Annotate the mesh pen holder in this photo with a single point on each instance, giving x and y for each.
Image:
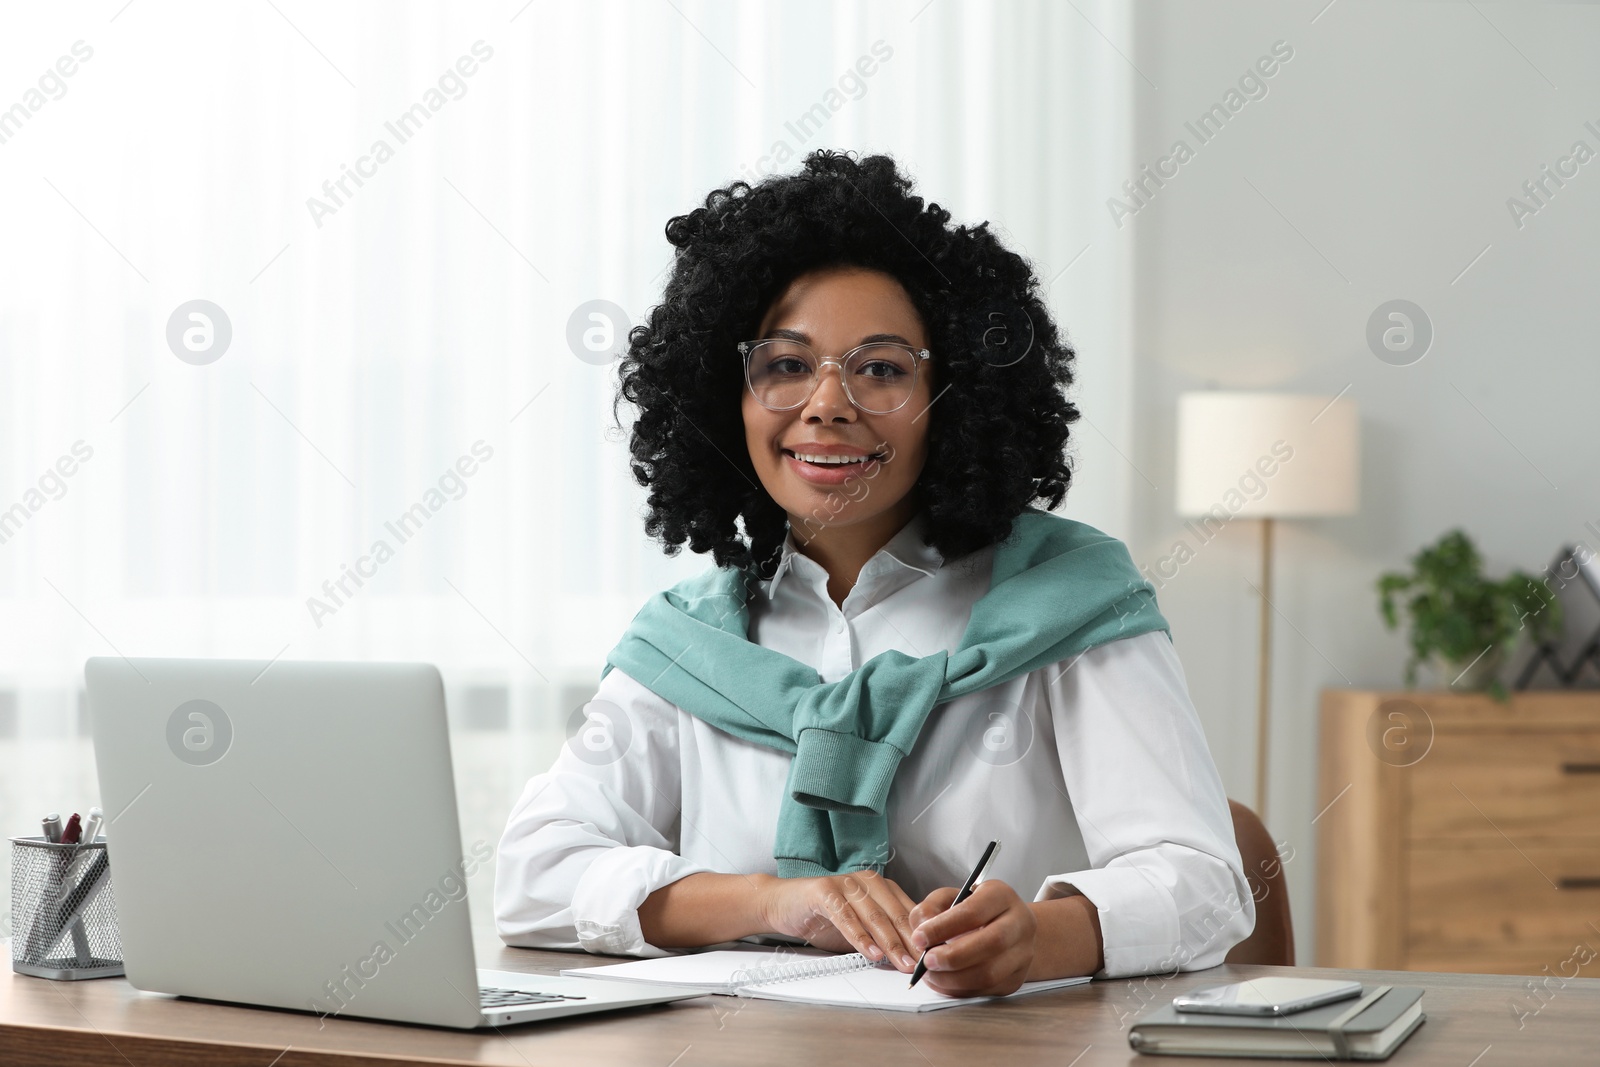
(63, 912)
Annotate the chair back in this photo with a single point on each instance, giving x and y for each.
(1272, 941)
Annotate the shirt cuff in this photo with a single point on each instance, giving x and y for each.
(1138, 919)
(605, 902)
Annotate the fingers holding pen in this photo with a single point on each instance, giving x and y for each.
(943, 922)
(935, 903)
(981, 946)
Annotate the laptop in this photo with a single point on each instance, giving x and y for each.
(284, 834)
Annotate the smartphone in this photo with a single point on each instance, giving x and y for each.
(1267, 996)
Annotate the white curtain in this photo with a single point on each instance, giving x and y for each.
(383, 332)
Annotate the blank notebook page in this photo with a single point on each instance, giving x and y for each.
(716, 970)
(849, 980)
(880, 986)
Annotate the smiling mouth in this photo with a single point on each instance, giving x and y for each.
(834, 461)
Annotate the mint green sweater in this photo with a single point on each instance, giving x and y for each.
(1059, 587)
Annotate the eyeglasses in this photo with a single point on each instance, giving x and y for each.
(878, 377)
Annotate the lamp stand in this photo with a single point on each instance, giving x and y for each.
(1264, 669)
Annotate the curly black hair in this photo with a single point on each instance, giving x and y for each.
(999, 424)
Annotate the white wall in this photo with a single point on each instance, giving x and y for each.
(1387, 147)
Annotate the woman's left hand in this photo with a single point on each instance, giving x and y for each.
(990, 939)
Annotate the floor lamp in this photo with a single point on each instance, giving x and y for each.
(1264, 456)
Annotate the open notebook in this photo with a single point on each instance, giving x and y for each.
(850, 980)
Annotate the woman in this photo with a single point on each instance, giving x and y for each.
(853, 407)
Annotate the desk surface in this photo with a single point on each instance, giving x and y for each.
(1476, 1020)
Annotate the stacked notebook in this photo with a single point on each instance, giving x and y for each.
(1368, 1028)
(851, 980)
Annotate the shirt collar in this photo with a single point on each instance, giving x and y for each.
(906, 550)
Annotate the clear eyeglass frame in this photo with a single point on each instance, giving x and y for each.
(746, 348)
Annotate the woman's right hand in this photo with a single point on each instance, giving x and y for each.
(861, 911)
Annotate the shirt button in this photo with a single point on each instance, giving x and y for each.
(838, 625)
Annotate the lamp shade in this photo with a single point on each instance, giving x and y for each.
(1279, 455)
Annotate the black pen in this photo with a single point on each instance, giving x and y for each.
(966, 891)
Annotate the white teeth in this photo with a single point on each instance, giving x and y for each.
(829, 460)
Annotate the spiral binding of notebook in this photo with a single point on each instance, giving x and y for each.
(805, 968)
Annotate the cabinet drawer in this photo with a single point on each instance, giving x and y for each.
(1481, 785)
(1498, 901)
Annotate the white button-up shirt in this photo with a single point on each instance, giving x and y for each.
(1093, 773)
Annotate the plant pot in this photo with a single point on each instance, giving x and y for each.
(1471, 676)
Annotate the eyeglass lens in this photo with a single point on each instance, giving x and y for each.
(878, 378)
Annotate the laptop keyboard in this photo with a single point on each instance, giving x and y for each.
(491, 997)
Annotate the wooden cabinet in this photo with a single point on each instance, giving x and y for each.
(1457, 833)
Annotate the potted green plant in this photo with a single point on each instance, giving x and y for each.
(1462, 623)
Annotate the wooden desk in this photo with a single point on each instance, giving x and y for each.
(107, 1022)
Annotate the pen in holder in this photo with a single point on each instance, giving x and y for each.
(63, 911)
